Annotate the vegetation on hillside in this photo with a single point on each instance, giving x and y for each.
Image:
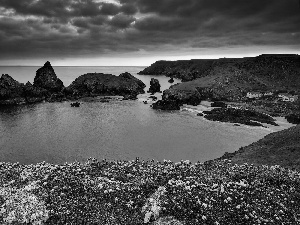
(146, 192)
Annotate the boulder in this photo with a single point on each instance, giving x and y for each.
(127, 75)
(47, 79)
(154, 86)
(166, 105)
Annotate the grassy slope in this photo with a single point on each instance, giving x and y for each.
(279, 148)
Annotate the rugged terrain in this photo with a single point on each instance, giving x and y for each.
(148, 192)
(231, 79)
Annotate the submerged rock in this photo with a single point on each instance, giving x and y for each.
(47, 79)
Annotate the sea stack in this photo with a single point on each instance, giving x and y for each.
(154, 86)
(47, 79)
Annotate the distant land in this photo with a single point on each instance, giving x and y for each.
(234, 79)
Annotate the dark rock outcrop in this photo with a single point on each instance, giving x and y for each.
(34, 94)
(11, 91)
(190, 97)
(293, 118)
(278, 148)
(47, 79)
(99, 84)
(154, 86)
(242, 116)
(127, 75)
(219, 104)
(171, 80)
(166, 105)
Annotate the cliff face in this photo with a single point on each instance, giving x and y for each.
(279, 148)
(231, 79)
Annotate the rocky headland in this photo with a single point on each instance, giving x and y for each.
(231, 79)
(48, 87)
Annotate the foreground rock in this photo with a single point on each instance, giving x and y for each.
(154, 86)
(242, 116)
(99, 84)
(47, 79)
(279, 148)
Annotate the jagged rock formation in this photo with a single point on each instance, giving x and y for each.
(231, 79)
(154, 86)
(97, 84)
(279, 148)
(11, 91)
(47, 79)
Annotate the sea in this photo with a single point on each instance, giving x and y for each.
(115, 130)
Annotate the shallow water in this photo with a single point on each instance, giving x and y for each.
(122, 130)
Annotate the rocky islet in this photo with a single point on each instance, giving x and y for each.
(48, 87)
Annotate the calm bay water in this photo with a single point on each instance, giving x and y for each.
(120, 130)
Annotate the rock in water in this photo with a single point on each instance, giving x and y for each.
(127, 75)
(166, 105)
(154, 86)
(171, 80)
(99, 84)
(11, 91)
(47, 79)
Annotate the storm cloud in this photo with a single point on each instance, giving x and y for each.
(65, 28)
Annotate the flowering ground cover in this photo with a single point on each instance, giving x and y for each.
(148, 192)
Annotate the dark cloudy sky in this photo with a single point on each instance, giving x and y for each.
(139, 32)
